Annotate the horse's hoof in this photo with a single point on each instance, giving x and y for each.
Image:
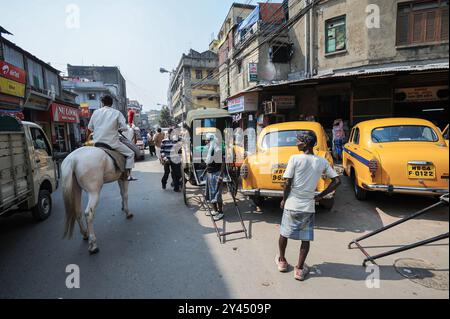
(130, 216)
(94, 251)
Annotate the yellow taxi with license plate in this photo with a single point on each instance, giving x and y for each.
(262, 173)
(397, 155)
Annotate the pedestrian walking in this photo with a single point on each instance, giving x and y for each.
(171, 161)
(214, 177)
(302, 176)
(158, 138)
(338, 139)
(151, 143)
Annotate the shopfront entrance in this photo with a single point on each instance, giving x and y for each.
(64, 116)
(430, 103)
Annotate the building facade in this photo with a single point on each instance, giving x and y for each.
(364, 59)
(194, 84)
(252, 54)
(88, 95)
(110, 76)
(31, 90)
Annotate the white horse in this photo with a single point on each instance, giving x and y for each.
(88, 169)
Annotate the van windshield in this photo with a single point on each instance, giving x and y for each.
(403, 133)
(283, 138)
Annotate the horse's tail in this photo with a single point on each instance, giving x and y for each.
(71, 195)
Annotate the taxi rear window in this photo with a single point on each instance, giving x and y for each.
(404, 133)
(283, 138)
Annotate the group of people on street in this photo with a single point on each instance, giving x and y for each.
(302, 175)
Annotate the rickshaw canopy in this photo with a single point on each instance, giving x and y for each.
(203, 114)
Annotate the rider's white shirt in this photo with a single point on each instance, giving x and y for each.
(105, 123)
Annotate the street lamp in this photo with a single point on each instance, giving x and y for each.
(163, 70)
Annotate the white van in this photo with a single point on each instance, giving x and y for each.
(27, 169)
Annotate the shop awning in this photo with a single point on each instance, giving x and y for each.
(369, 70)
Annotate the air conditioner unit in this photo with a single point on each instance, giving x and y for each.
(270, 107)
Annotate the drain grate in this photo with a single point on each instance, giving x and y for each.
(422, 273)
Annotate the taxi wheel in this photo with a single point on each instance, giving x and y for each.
(360, 193)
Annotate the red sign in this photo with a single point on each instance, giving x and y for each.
(65, 114)
(16, 114)
(85, 113)
(12, 72)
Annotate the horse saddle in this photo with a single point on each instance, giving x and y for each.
(118, 158)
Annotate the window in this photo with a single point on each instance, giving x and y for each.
(280, 53)
(404, 133)
(336, 35)
(239, 67)
(35, 76)
(51, 81)
(13, 57)
(40, 142)
(198, 74)
(92, 96)
(422, 22)
(356, 136)
(210, 74)
(283, 138)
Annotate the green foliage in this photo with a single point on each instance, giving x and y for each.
(165, 118)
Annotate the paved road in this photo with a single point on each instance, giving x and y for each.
(171, 251)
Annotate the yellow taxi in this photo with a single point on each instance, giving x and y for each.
(397, 155)
(262, 173)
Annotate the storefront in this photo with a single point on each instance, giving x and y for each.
(244, 108)
(12, 89)
(65, 123)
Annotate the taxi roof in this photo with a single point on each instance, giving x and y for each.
(314, 126)
(395, 121)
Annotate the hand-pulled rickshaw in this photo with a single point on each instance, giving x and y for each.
(198, 124)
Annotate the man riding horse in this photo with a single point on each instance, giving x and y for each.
(105, 124)
(89, 168)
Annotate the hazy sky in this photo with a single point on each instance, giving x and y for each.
(139, 36)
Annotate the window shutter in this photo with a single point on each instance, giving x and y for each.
(418, 27)
(444, 24)
(430, 32)
(402, 29)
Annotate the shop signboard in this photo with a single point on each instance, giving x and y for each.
(253, 72)
(11, 87)
(284, 102)
(65, 114)
(244, 103)
(12, 72)
(422, 94)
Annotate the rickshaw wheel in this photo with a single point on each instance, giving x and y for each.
(186, 202)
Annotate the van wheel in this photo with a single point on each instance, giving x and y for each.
(43, 209)
(361, 194)
(327, 204)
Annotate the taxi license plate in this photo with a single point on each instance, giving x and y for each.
(277, 176)
(421, 172)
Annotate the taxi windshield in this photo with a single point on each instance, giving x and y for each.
(283, 138)
(404, 133)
